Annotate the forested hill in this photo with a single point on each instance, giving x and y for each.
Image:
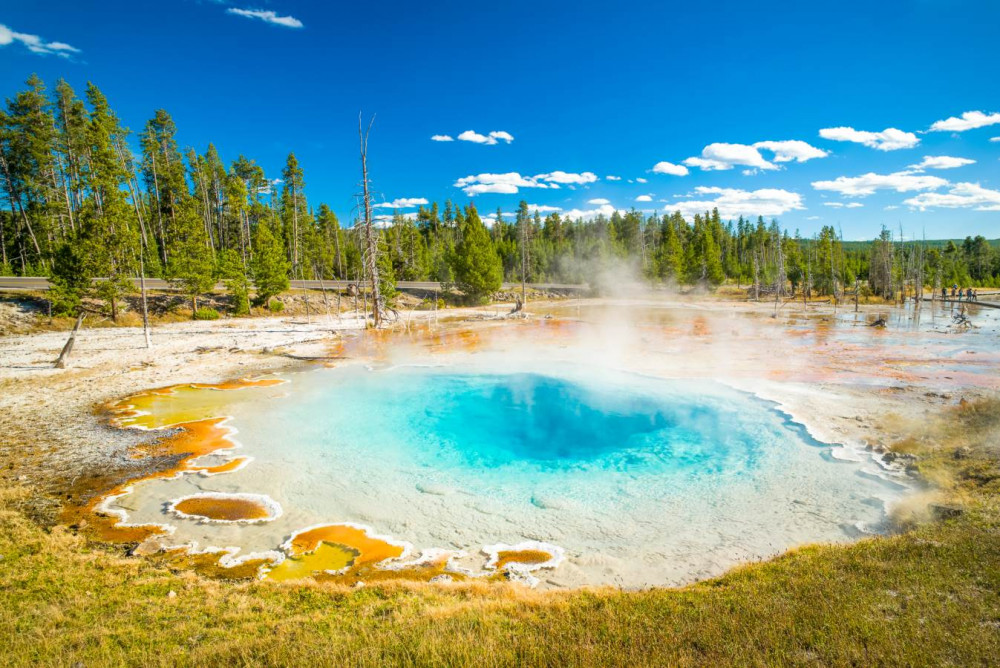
(79, 203)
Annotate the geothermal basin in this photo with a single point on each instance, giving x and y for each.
(558, 452)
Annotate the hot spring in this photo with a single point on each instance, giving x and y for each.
(622, 478)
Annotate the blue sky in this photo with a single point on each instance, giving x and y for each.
(814, 113)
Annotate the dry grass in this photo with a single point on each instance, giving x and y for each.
(925, 597)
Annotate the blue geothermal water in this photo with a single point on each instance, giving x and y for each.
(490, 425)
(641, 480)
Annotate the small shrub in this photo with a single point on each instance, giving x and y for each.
(274, 306)
(429, 305)
(206, 314)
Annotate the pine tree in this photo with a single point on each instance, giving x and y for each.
(191, 266)
(270, 266)
(109, 227)
(477, 267)
(234, 274)
(386, 273)
(670, 254)
(712, 258)
(70, 280)
(293, 182)
(163, 170)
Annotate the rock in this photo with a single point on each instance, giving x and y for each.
(441, 579)
(171, 594)
(359, 584)
(889, 457)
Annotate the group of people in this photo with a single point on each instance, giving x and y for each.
(960, 294)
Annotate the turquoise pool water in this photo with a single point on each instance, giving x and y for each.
(641, 480)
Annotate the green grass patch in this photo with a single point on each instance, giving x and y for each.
(206, 313)
(929, 596)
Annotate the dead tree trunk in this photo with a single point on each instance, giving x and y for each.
(756, 279)
(68, 348)
(142, 291)
(371, 244)
(322, 289)
(524, 250)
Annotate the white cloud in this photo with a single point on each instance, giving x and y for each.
(791, 150)
(867, 184)
(643, 198)
(841, 205)
(720, 156)
(267, 16)
(384, 220)
(959, 196)
(500, 134)
(507, 183)
(543, 208)
(812, 218)
(442, 138)
(665, 167)
(488, 140)
(995, 139)
(970, 120)
(942, 162)
(476, 138)
(567, 178)
(732, 202)
(891, 207)
(36, 44)
(613, 178)
(510, 182)
(639, 179)
(403, 203)
(598, 201)
(889, 139)
(588, 214)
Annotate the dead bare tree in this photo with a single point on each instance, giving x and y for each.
(68, 348)
(780, 276)
(524, 264)
(371, 243)
(322, 289)
(142, 290)
(756, 279)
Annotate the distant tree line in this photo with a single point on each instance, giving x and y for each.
(79, 203)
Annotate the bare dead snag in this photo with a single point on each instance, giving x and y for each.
(68, 348)
(371, 243)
